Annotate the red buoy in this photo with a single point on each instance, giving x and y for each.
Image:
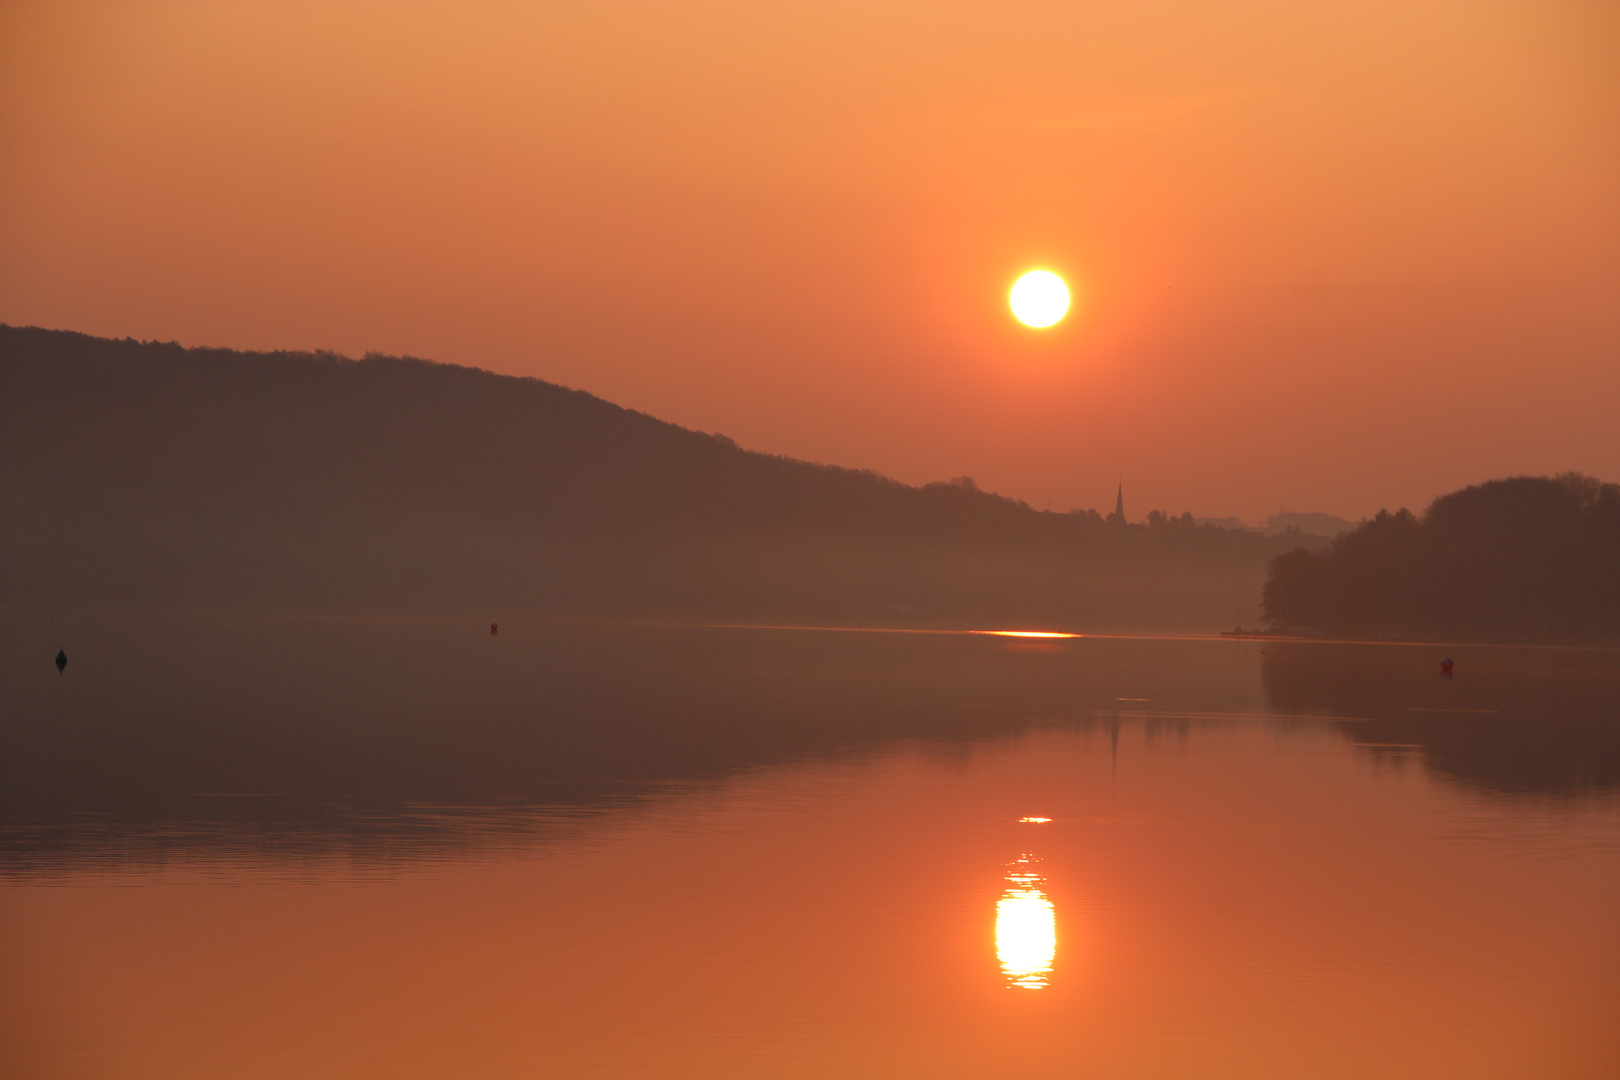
(1445, 667)
(494, 628)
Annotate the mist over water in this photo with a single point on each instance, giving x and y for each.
(596, 849)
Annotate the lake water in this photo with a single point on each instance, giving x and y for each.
(367, 848)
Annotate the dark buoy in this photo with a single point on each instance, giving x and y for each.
(494, 628)
(1445, 667)
(61, 660)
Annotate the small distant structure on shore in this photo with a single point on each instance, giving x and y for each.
(1309, 524)
(1118, 516)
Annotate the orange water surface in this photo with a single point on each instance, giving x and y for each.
(1293, 862)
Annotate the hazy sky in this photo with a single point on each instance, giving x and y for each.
(1326, 256)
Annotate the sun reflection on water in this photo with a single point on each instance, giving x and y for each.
(1026, 927)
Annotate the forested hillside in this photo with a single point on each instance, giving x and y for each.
(1526, 558)
(146, 473)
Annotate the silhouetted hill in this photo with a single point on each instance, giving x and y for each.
(146, 473)
(1526, 558)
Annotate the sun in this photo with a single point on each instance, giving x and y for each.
(1039, 298)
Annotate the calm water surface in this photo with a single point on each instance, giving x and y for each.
(283, 848)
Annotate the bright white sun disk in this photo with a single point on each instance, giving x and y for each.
(1039, 298)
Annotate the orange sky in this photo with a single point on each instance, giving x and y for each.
(1328, 257)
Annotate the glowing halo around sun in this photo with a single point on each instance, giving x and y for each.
(1039, 299)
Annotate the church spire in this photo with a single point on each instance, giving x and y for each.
(1119, 502)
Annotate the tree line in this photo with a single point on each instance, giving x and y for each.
(1522, 558)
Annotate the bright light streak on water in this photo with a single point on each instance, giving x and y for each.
(1025, 633)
